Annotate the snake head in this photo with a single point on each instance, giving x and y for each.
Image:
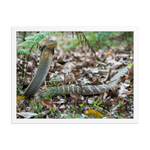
(51, 44)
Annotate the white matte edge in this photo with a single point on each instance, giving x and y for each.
(135, 27)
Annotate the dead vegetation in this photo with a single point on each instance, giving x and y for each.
(82, 65)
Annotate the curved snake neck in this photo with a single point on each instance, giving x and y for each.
(47, 52)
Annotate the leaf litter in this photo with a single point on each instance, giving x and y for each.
(78, 67)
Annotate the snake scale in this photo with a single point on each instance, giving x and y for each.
(47, 52)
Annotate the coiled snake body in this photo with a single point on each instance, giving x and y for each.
(47, 52)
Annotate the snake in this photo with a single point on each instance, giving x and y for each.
(46, 57)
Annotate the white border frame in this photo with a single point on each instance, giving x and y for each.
(136, 73)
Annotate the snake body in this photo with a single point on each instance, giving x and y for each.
(43, 68)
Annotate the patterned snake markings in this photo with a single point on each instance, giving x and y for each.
(47, 52)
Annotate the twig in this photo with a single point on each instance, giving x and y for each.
(88, 43)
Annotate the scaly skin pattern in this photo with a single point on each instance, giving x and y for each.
(86, 90)
(47, 52)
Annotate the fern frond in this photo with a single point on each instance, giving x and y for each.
(27, 44)
(23, 51)
(37, 37)
(32, 41)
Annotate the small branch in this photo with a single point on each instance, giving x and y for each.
(81, 34)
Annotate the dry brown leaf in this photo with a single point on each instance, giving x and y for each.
(68, 66)
(59, 67)
(114, 72)
(86, 57)
(117, 65)
(44, 86)
(56, 98)
(28, 75)
(73, 101)
(130, 72)
(113, 93)
(110, 117)
(75, 96)
(26, 81)
(30, 66)
(107, 102)
(124, 56)
(77, 74)
(123, 78)
(48, 103)
(126, 77)
(82, 65)
(113, 61)
(69, 79)
(109, 53)
(128, 93)
(95, 82)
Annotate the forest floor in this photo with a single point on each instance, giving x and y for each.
(78, 67)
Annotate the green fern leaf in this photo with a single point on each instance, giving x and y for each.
(22, 51)
(30, 38)
(27, 44)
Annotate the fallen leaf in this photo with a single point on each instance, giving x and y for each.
(20, 97)
(110, 117)
(89, 100)
(123, 78)
(95, 82)
(73, 101)
(30, 66)
(107, 102)
(63, 107)
(68, 66)
(61, 68)
(26, 81)
(103, 72)
(113, 61)
(27, 115)
(109, 53)
(126, 77)
(44, 86)
(117, 65)
(69, 79)
(124, 56)
(113, 92)
(128, 93)
(86, 57)
(93, 113)
(105, 95)
(75, 96)
(62, 101)
(48, 103)
(130, 72)
(122, 91)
